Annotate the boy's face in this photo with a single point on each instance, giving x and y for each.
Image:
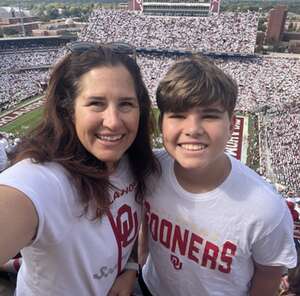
(196, 139)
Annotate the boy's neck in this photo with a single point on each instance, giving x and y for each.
(203, 180)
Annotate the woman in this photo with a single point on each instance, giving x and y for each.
(70, 201)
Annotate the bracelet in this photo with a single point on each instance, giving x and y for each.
(132, 266)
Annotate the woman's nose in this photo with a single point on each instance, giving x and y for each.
(111, 118)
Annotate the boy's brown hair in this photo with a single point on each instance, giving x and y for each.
(193, 82)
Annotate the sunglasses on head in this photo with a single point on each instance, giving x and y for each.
(116, 47)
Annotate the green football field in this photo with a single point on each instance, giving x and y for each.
(24, 123)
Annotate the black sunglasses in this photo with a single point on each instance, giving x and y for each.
(116, 47)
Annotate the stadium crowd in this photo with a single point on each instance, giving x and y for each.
(228, 32)
(20, 75)
(280, 143)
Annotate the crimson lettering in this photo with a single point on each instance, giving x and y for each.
(165, 233)
(211, 252)
(230, 248)
(121, 192)
(189, 244)
(180, 241)
(154, 226)
(193, 248)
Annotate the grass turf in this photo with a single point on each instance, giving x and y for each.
(24, 123)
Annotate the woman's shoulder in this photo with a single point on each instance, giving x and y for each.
(28, 168)
(34, 178)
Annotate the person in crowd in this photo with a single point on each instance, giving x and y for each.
(210, 221)
(3, 154)
(70, 203)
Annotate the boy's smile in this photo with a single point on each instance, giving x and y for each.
(196, 139)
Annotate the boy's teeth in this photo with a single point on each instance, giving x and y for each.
(110, 138)
(193, 147)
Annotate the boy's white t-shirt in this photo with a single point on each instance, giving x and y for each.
(205, 244)
(73, 255)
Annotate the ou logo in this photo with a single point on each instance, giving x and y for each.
(127, 225)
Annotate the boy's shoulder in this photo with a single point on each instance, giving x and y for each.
(250, 177)
(253, 189)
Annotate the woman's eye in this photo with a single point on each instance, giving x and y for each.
(127, 105)
(97, 104)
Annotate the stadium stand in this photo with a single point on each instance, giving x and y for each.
(229, 32)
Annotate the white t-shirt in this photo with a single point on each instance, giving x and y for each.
(72, 255)
(205, 244)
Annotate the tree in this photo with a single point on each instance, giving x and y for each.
(292, 27)
(261, 24)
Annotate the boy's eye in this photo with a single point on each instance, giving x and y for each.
(176, 115)
(211, 116)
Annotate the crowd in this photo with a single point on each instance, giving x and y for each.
(280, 142)
(8, 144)
(228, 32)
(18, 81)
(27, 58)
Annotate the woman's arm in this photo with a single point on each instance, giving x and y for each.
(18, 222)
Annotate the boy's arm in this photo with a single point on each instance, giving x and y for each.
(266, 280)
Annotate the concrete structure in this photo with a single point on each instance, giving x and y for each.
(288, 36)
(276, 24)
(12, 12)
(294, 46)
(176, 7)
(21, 29)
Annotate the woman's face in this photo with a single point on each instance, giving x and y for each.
(106, 115)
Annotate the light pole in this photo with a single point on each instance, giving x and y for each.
(21, 17)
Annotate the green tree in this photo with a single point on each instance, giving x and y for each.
(261, 24)
(291, 27)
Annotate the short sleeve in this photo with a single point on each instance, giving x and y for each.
(277, 248)
(41, 184)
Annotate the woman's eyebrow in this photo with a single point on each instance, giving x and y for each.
(98, 98)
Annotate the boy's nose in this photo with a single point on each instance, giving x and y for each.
(194, 126)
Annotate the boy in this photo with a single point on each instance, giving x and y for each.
(214, 227)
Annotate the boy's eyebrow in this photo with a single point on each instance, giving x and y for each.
(213, 110)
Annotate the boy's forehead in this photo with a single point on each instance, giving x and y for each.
(213, 107)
